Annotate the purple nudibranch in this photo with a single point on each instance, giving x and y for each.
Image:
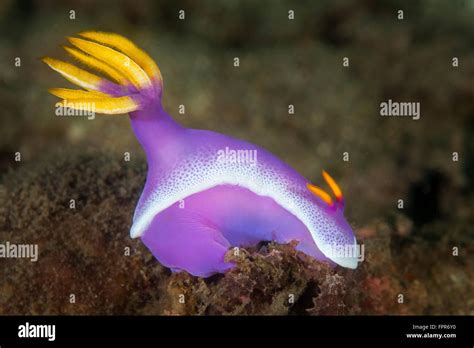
(205, 192)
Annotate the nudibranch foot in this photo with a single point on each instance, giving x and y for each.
(195, 235)
(181, 240)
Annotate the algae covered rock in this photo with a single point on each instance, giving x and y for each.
(78, 207)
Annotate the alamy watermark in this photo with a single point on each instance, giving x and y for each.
(28, 330)
(405, 109)
(19, 251)
(75, 109)
(241, 156)
(345, 251)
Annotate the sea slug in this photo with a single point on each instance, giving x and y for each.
(205, 192)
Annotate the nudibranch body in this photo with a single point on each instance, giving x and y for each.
(205, 192)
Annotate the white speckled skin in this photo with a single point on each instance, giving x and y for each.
(187, 163)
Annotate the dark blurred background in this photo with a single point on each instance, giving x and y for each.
(283, 62)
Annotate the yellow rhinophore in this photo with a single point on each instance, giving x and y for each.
(334, 187)
(320, 193)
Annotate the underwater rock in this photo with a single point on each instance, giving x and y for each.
(82, 252)
(271, 280)
(87, 263)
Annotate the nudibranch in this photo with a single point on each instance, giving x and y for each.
(205, 192)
